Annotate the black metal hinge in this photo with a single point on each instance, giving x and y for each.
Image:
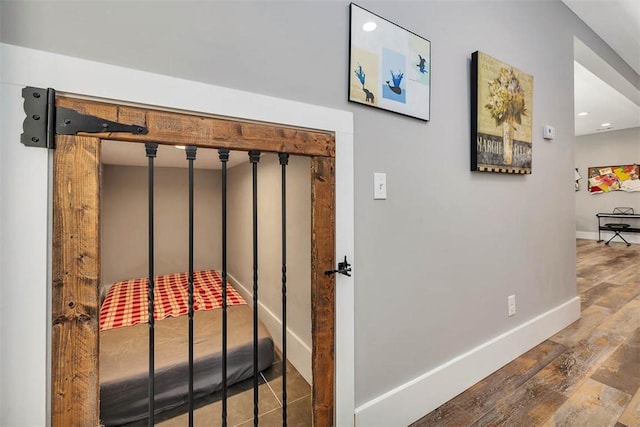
(44, 120)
(37, 128)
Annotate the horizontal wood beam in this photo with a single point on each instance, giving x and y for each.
(174, 128)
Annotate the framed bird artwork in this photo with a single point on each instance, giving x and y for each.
(389, 66)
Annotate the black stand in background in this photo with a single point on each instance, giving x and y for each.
(617, 227)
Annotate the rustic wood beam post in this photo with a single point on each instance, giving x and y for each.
(323, 288)
(76, 270)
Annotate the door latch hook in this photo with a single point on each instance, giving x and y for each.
(343, 268)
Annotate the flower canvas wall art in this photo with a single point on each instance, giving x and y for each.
(501, 116)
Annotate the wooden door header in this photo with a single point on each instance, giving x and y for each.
(175, 128)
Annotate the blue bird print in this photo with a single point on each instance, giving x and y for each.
(397, 78)
(422, 66)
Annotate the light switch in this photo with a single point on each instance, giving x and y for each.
(379, 186)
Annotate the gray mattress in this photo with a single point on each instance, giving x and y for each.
(124, 361)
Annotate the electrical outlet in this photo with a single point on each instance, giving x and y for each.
(511, 302)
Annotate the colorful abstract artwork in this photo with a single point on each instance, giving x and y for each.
(389, 67)
(611, 178)
(501, 116)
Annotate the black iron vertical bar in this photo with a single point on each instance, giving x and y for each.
(284, 160)
(191, 156)
(254, 157)
(223, 154)
(151, 151)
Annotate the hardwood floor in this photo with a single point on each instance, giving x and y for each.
(587, 375)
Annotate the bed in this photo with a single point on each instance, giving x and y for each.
(124, 344)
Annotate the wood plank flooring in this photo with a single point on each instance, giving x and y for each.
(587, 375)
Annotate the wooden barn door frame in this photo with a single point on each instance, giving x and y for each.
(76, 242)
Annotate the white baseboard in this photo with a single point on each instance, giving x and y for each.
(606, 235)
(587, 235)
(298, 352)
(414, 399)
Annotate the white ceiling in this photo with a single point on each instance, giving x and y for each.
(599, 89)
(603, 103)
(617, 22)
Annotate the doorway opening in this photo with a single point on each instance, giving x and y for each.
(76, 242)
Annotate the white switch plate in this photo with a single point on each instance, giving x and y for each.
(379, 186)
(548, 132)
(511, 301)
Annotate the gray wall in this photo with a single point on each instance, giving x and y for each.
(125, 224)
(604, 149)
(436, 261)
(269, 238)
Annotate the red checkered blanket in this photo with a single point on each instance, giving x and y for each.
(127, 301)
